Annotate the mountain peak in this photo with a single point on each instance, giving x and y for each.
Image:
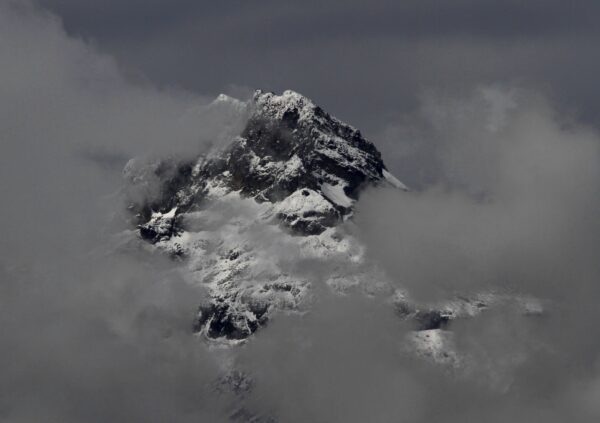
(288, 146)
(303, 168)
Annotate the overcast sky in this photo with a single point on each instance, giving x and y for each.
(365, 61)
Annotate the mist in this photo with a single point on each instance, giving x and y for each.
(511, 207)
(505, 198)
(92, 329)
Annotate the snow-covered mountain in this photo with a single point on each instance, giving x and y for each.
(262, 222)
(243, 218)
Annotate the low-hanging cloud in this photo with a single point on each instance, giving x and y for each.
(511, 207)
(91, 329)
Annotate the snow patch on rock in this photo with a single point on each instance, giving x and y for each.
(336, 194)
(394, 181)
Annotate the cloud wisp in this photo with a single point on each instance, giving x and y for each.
(91, 331)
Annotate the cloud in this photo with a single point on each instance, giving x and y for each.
(92, 330)
(510, 208)
(512, 184)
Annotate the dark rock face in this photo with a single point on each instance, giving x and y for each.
(321, 148)
(423, 318)
(219, 321)
(292, 154)
(290, 144)
(159, 227)
(430, 319)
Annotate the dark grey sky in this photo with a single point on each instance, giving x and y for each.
(365, 61)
